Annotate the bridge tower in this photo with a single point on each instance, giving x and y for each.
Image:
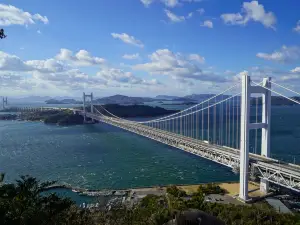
(85, 96)
(246, 126)
(4, 102)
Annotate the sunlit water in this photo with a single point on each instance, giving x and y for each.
(98, 156)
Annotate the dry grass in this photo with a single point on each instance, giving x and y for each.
(231, 188)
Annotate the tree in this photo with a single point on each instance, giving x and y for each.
(2, 35)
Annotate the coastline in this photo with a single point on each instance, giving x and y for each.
(231, 188)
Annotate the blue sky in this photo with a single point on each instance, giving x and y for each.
(145, 47)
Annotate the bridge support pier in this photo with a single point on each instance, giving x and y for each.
(246, 126)
(266, 130)
(244, 150)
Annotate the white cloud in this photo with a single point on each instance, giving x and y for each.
(190, 15)
(39, 32)
(120, 76)
(201, 11)
(168, 3)
(284, 55)
(28, 74)
(174, 18)
(171, 3)
(132, 56)
(197, 58)
(128, 39)
(251, 11)
(59, 74)
(296, 70)
(10, 15)
(297, 28)
(12, 63)
(81, 58)
(177, 66)
(192, 0)
(147, 2)
(207, 23)
(292, 76)
(47, 66)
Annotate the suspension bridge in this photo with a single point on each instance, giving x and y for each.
(222, 129)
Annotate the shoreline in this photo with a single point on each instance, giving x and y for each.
(229, 186)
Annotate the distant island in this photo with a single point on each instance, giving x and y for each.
(136, 110)
(63, 101)
(186, 100)
(184, 103)
(67, 117)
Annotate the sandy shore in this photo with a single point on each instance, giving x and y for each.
(231, 188)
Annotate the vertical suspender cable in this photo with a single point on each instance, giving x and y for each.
(255, 147)
(202, 123)
(233, 127)
(226, 123)
(208, 123)
(229, 125)
(197, 119)
(215, 121)
(237, 121)
(219, 132)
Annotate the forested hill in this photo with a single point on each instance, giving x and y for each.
(136, 110)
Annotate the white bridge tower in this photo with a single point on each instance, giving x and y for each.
(4, 102)
(84, 104)
(246, 126)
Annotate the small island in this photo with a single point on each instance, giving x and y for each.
(58, 117)
(64, 101)
(183, 103)
(8, 116)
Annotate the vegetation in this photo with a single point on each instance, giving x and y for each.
(7, 117)
(175, 191)
(2, 34)
(210, 189)
(58, 117)
(25, 203)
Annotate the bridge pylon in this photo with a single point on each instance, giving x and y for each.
(246, 126)
(85, 96)
(4, 102)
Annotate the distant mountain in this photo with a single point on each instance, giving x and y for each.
(124, 100)
(203, 97)
(166, 97)
(183, 99)
(136, 110)
(30, 99)
(63, 101)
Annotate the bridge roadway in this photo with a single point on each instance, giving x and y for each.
(281, 173)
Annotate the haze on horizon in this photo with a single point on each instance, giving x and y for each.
(145, 47)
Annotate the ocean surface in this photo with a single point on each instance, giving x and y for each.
(100, 156)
